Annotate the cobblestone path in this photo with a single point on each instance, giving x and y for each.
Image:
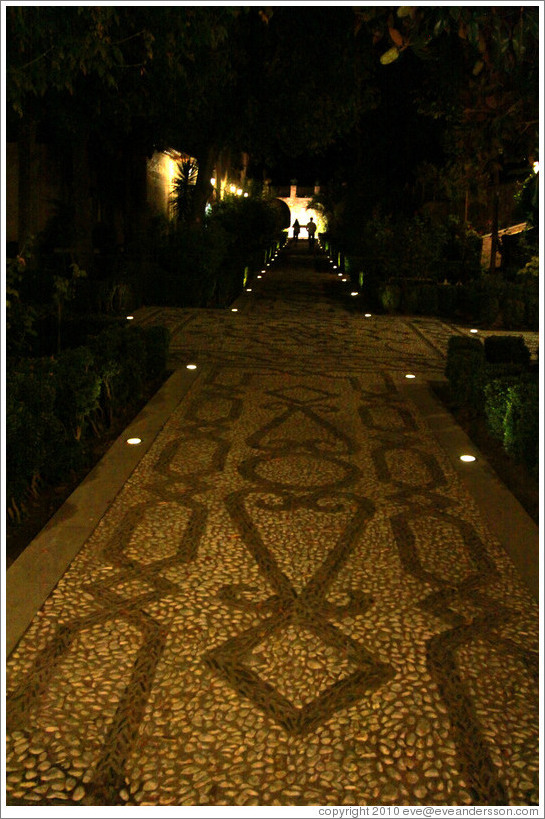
(293, 600)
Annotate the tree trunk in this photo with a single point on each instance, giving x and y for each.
(83, 203)
(203, 188)
(136, 228)
(27, 218)
(495, 216)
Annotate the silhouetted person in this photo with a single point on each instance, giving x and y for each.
(296, 229)
(311, 230)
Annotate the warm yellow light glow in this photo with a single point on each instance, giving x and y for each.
(260, 277)
(368, 315)
(473, 331)
(234, 309)
(130, 318)
(536, 167)
(468, 458)
(213, 180)
(410, 375)
(353, 293)
(191, 366)
(134, 441)
(299, 212)
(246, 194)
(239, 191)
(344, 279)
(233, 188)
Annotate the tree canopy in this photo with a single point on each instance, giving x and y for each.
(283, 81)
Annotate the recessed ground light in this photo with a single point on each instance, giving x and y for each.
(234, 309)
(344, 279)
(468, 458)
(130, 318)
(134, 441)
(191, 366)
(259, 277)
(368, 315)
(268, 265)
(263, 271)
(353, 293)
(335, 267)
(248, 289)
(410, 375)
(473, 331)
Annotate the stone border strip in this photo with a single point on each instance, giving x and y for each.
(38, 569)
(509, 521)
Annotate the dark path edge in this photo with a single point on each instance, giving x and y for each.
(38, 569)
(501, 511)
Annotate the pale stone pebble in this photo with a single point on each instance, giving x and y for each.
(52, 773)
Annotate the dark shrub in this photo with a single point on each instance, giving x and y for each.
(480, 301)
(506, 350)
(489, 305)
(447, 299)
(390, 297)
(521, 424)
(496, 402)
(428, 300)
(78, 389)
(51, 403)
(465, 370)
(157, 342)
(75, 331)
(128, 387)
(120, 360)
(354, 265)
(186, 266)
(36, 440)
(513, 313)
(410, 298)
(531, 315)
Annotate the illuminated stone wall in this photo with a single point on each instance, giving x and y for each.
(298, 209)
(161, 171)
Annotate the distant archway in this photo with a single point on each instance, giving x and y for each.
(298, 209)
(284, 213)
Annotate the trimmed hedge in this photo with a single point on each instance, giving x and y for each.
(496, 394)
(495, 381)
(465, 370)
(521, 423)
(506, 350)
(55, 405)
(488, 301)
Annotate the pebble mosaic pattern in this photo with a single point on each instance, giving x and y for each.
(293, 600)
